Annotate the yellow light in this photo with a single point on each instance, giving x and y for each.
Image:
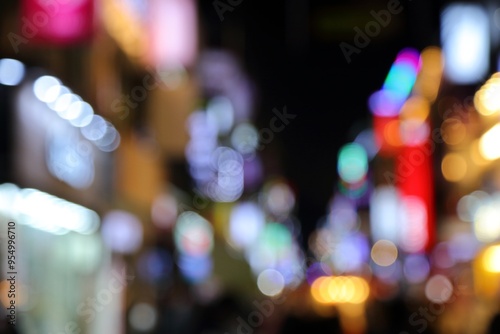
(453, 167)
(487, 99)
(361, 289)
(429, 78)
(491, 259)
(475, 154)
(384, 253)
(319, 290)
(416, 108)
(340, 290)
(489, 143)
(432, 62)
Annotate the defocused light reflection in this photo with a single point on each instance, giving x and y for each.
(454, 167)
(46, 88)
(416, 268)
(80, 114)
(414, 235)
(245, 138)
(487, 222)
(352, 163)
(429, 79)
(488, 144)
(46, 212)
(465, 35)
(193, 234)
(385, 214)
(11, 72)
(164, 211)
(468, 205)
(122, 231)
(340, 289)
(195, 269)
(271, 282)
(366, 138)
(245, 224)
(438, 289)
(279, 198)
(384, 253)
(155, 265)
(453, 131)
(487, 99)
(491, 259)
(143, 317)
(397, 85)
(221, 110)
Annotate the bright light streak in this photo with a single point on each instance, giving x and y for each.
(11, 72)
(48, 213)
(95, 129)
(397, 85)
(465, 35)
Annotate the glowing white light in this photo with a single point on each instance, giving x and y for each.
(63, 102)
(487, 222)
(122, 231)
(465, 34)
(245, 224)
(80, 114)
(47, 88)
(11, 72)
(143, 317)
(385, 214)
(270, 282)
(52, 214)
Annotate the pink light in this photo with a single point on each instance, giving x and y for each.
(58, 22)
(409, 56)
(173, 33)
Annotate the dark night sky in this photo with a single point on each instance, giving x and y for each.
(291, 50)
